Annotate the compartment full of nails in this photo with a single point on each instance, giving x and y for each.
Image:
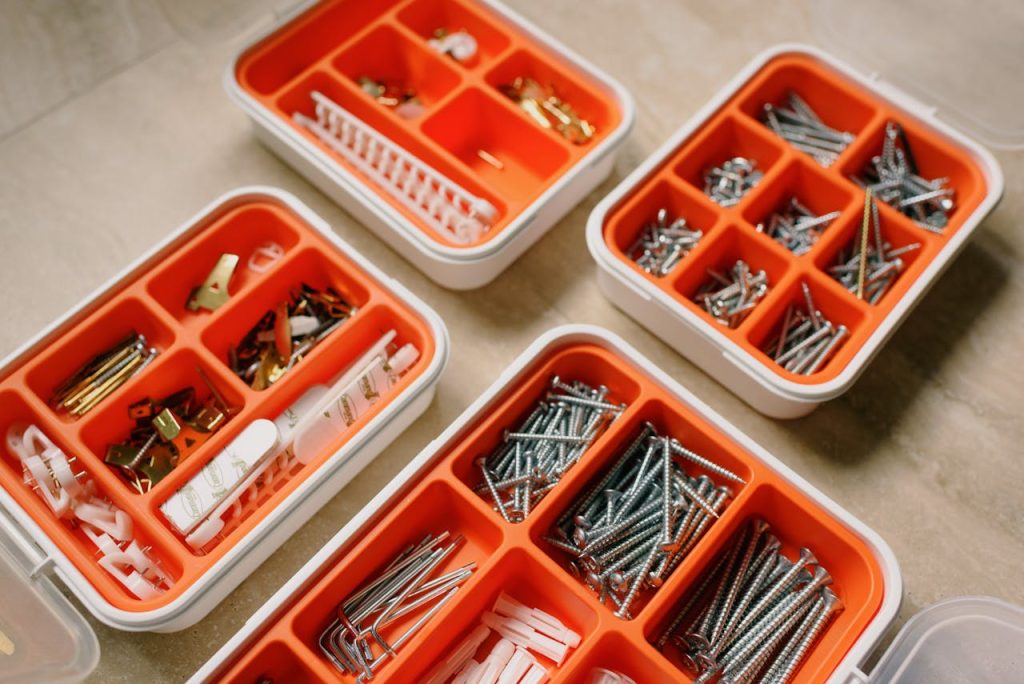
(777, 176)
(452, 113)
(598, 568)
(133, 445)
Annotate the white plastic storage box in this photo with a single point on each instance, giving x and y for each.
(437, 492)
(673, 179)
(281, 247)
(513, 173)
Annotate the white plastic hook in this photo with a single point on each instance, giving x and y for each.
(38, 475)
(265, 256)
(105, 517)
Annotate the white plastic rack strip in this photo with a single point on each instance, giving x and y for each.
(442, 204)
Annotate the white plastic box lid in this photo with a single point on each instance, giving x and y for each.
(960, 58)
(42, 637)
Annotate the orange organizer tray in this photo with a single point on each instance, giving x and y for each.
(673, 179)
(331, 46)
(150, 298)
(436, 493)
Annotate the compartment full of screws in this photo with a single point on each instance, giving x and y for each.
(727, 183)
(629, 531)
(663, 243)
(807, 340)
(533, 458)
(731, 296)
(796, 227)
(800, 126)
(755, 615)
(894, 178)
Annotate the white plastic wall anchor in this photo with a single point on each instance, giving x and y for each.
(460, 655)
(523, 635)
(535, 675)
(468, 671)
(544, 623)
(518, 665)
(442, 204)
(495, 662)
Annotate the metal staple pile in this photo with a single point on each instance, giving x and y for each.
(755, 616)
(893, 177)
(358, 642)
(807, 339)
(531, 460)
(637, 524)
(801, 127)
(729, 298)
(662, 245)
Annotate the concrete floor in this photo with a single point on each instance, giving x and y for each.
(114, 128)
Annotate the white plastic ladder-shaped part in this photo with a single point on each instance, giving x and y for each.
(441, 203)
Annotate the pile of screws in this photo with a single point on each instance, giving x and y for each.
(532, 460)
(728, 183)
(638, 523)
(102, 375)
(166, 432)
(662, 245)
(796, 227)
(881, 262)
(548, 110)
(403, 100)
(894, 178)
(730, 298)
(807, 339)
(358, 642)
(801, 127)
(287, 333)
(755, 616)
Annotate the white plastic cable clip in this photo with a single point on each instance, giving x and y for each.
(38, 475)
(442, 204)
(265, 256)
(494, 664)
(544, 623)
(520, 662)
(460, 655)
(27, 440)
(105, 517)
(121, 565)
(523, 635)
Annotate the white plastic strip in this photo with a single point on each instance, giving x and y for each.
(442, 204)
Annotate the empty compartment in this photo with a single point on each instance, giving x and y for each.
(388, 57)
(628, 223)
(836, 306)
(250, 232)
(893, 274)
(720, 141)
(797, 523)
(619, 653)
(560, 526)
(564, 82)
(427, 17)
(285, 54)
(310, 267)
(276, 661)
(935, 158)
(813, 191)
(433, 509)
(113, 424)
(720, 255)
(503, 150)
(584, 363)
(521, 577)
(97, 334)
(836, 101)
